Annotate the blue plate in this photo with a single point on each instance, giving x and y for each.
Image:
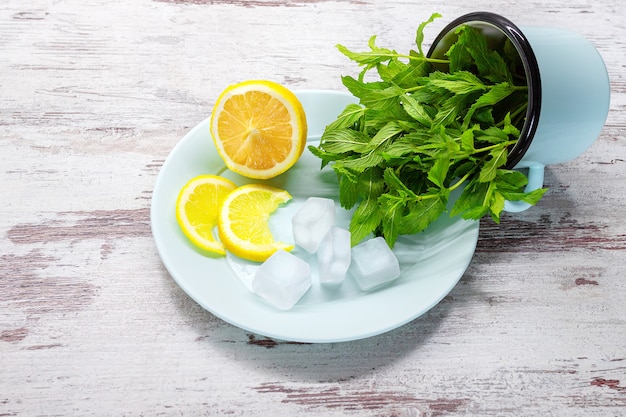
(432, 262)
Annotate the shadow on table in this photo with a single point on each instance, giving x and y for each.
(447, 322)
(323, 361)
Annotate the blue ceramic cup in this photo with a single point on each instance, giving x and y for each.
(568, 92)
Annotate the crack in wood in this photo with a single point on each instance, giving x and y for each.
(613, 384)
(546, 235)
(14, 335)
(334, 397)
(256, 3)
(97, 224)
(22, 287)
(42, 347)
(268, 343)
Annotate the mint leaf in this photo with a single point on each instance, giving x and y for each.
(325, 156)
(497, 158)
(394, 182)
(467, 141)
(449, 110)
(392, 69)
(419, 35)
(493, 135)
(496, 206)
(365, 220)
(367, 216)
(362, 163)
(403, 147)
(382, 100)
(439, 171)
(348, 189)
(460, 57)
(351, 115)
(474, 202)
(493, 96)
(406, 78)
(359, 88)
(511, 180)
(372, 57)
(531, 197)
(462, 82)
(488, 62)
(392, 209)
(416, 110)
(422, 213)
(340, 141)
(387, 132)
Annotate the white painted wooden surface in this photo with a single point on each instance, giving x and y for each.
(93, 96)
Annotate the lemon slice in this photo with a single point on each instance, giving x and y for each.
(243, 221)
(197, 209)
(259, 128)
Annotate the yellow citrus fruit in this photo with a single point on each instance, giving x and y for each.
(197, 209)
(259, 128)
(243, 221)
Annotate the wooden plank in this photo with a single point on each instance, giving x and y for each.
(95, 94)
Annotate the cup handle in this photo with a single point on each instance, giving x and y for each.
(535, 182)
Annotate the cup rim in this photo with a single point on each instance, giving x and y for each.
(531, 70)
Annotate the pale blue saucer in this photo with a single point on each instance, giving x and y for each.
(432, 262)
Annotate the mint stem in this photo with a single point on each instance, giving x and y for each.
(461, 181)
(498, 145)
(423, 58)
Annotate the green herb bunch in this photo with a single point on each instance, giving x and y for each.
(425, 127)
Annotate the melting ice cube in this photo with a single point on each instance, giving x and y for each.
(334, 255)
(312, 221)
(374, 264)
(282, 279)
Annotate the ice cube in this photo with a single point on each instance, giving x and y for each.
(312, 221)
(374, 264)
(282, 279)
(334, 255)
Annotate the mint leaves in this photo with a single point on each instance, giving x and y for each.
(425, 127)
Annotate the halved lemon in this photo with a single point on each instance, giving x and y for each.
(243, 221)
(259, 128)
(197, 210)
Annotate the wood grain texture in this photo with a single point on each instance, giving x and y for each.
(94, 95)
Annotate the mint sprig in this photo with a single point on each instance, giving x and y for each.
(424, 128)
